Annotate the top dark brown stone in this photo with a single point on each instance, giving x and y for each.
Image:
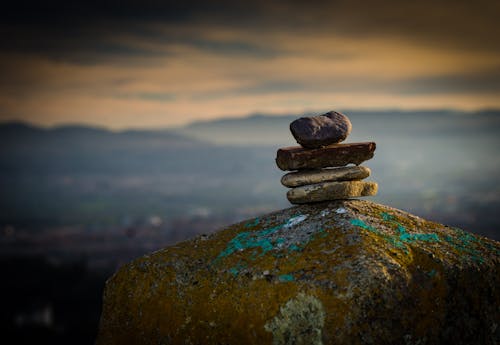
(318, 131)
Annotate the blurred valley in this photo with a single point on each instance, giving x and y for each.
(78, 201)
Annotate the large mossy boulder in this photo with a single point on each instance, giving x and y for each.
(344, 272)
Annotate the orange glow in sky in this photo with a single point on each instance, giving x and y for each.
(121, 73)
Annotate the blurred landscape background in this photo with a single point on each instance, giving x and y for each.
(127, 126)
(78, 201)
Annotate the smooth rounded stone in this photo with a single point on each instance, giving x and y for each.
(302, 178)
(318, 131)
(331, 191)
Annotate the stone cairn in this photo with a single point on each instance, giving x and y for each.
(319, 165)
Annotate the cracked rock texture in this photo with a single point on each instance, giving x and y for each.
(343, 272)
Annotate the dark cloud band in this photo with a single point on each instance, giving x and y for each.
(67, 26)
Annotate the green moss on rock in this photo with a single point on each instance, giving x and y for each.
(344, 272)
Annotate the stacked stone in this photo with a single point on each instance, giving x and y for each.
(319, 165)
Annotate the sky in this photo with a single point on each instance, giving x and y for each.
(154, 64)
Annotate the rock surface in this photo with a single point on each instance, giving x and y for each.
(322, 130)
(302, 178)
(337, 155)
(331, 191)
(345, 272)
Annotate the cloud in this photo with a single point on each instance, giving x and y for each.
(164, 63)
(68, 29)
(460, 83)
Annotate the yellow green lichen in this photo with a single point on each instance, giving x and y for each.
(365, 285)
(299, 321)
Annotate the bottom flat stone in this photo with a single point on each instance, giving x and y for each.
(331, 191)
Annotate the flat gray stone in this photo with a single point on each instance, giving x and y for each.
(318, 131)
(305, 177)
(327, 191)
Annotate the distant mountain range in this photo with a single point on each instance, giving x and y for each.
(268, 130)
(20, 133)
(84, 149)
(80, 174)
(255, 129)
(425, 161)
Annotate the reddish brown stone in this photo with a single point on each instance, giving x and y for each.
(296, 157)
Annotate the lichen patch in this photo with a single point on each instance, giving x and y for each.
(299, 321)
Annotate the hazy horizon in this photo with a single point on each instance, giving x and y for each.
(307, 112)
